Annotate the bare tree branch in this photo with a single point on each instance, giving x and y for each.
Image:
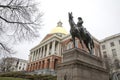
(2, 45)
(5, 48)
(19, 20)
(10, 2)
(13, 21)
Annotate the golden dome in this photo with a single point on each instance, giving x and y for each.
(59, 29)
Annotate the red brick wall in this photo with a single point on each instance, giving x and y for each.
(45, 63)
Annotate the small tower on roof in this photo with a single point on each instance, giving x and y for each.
(59, 29)
(59, 24)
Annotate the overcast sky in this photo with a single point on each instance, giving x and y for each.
(101, 18)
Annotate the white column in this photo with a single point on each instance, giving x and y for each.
(31, 56)
(43, 51)
(34, 56)
(58, 49)
(53, 47)
(48, 49)
(39, 52)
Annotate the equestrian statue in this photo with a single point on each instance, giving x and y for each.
(74, 30)
(77, 30)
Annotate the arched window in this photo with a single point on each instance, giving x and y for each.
(55, 63)
(69, 46)
(48, 64)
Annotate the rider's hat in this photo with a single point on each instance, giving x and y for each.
(79, 18)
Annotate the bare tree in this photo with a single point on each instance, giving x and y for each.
(19, 20)
(6, 64)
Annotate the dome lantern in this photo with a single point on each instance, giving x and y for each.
(59, 24)
(59, 29)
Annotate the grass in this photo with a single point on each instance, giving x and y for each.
(11, 78)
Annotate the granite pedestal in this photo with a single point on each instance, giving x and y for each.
(79, 65)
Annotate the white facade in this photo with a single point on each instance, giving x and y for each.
(16, 64)
(50, 45)
(46, 48)
(110, 49)
(22, 65)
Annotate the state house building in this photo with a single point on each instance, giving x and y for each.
(44, 57)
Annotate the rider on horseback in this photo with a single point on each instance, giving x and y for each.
(86, 36)
(79, 24)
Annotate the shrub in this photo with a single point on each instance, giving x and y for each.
(27, 76)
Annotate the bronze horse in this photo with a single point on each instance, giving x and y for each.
(74, 30)
(81, 34)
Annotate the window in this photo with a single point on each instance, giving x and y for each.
(112, 44)
(13, 69)
(116, 62)
(104, 54)
(69, 46)
(20, 67)
(103, 47)
(114, 52)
